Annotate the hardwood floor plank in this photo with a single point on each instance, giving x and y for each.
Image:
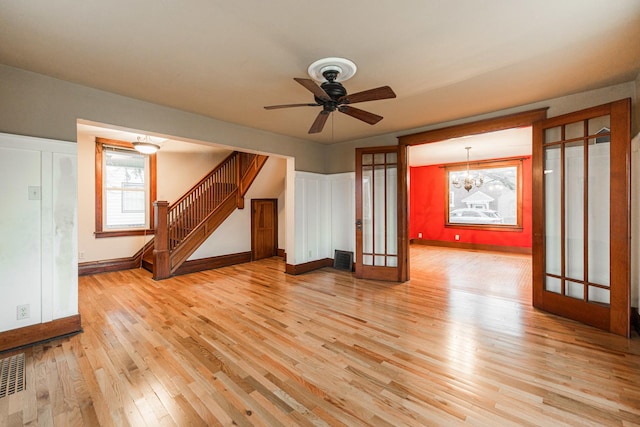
(249, 345)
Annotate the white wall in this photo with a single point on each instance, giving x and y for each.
(324, 215)
(38, 228)
(343, 211)
(234, 235)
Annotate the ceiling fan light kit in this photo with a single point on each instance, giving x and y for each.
(331, 95)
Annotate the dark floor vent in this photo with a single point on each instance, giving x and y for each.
(12, 379)
(343, 260)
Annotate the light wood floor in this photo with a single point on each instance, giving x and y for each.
(249, 345)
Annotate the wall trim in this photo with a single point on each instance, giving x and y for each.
(39, 332)
(109, 265)
(282, 254)
(193, 266)
(474, 246)
(513, 120)
(308, 266)
(119, 264)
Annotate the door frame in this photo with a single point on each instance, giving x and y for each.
(510, 121)
(526, 118)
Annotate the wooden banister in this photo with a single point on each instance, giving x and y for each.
(161, 263)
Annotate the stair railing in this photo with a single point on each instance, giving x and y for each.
(191, 209)
(175, 222)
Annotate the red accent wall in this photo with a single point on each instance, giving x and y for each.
(427, 211)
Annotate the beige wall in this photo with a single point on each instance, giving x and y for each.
(340, 157)
(185, 169)
(37, 105)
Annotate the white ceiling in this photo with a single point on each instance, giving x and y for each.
(227, 59)
(490, 145)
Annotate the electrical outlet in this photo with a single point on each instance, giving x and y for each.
(419, 235)
(457, 237)
(23, 311)
(80, 255)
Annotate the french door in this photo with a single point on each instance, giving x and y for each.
(581, 229)
(381, 214)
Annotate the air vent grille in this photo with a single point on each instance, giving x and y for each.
(343, 260)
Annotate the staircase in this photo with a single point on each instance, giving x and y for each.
(184, 225)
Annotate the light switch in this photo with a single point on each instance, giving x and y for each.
(34, 193)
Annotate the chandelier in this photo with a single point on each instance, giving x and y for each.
(469, 181)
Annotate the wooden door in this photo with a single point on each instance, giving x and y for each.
(581, 241)
(264, 228)
(381, 213)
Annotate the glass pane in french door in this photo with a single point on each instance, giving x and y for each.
(576, 210)
(552, 214)
(574, 167)
(379, 202)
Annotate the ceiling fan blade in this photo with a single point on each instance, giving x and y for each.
(359, 114)
(382, 92)
(313, 87)
(319, 122)
(274, 107)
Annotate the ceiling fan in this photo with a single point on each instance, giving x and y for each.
(331, 95)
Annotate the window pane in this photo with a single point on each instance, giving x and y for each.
(392, 213)
(600, 126)
(574, 290)
(125, 178)
(574, 183)
(379, 210)
(574, 130)
(553, 284)
(599, 295)
(367, 211)
(598, 213)
(552, 207)
(552, 134)
(392, 157)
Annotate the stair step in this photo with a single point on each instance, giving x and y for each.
(147, 264)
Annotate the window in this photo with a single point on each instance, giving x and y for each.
(494, 199)
(125, 189)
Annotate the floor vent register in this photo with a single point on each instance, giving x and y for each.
(12, 375)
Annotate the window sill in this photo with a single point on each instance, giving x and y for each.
(120, 233)
(488, 227)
